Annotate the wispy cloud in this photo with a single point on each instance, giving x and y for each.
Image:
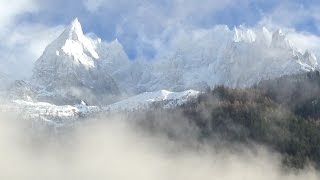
(10, 9)
(23, 45)
(21, 42)
(303, 16)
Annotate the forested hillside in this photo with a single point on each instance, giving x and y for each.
(282, 114)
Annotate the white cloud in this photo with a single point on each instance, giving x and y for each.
(305, 41)
(291, 13)
(163, 12)
(194, 9)
(10, 9)
(23, 46)
(93, 5)
(287, 16)
(140, 23)
(21, 43)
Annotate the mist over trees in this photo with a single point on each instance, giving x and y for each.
(281, 114)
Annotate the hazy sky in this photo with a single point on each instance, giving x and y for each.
(26, 26)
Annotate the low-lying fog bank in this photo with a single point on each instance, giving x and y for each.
(115, 149)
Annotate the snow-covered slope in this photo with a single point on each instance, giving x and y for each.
(61, 115)
(145, 100)
(42, 109)
(46, 114)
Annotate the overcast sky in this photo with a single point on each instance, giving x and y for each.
(27, 26)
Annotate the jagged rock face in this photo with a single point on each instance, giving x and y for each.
(71, 65)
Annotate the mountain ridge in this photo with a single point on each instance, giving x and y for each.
(75, 68)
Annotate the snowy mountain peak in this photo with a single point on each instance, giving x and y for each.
(279, 40)
(74, 43)
(116, 43)
(71, 47)
(245, 35)
(311, 59)
(74, 31)
(70, 64)
(237, 58)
